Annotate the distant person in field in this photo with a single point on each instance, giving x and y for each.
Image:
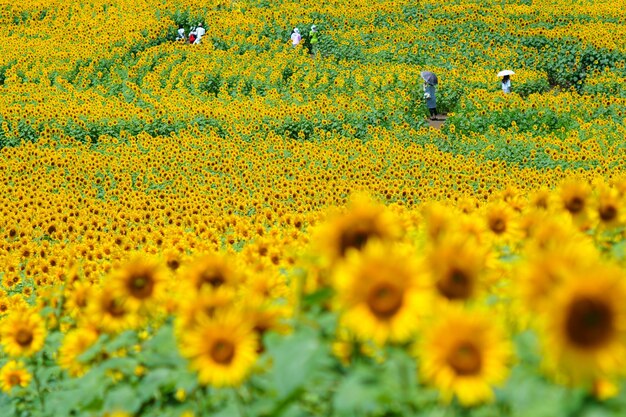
(431, 99)
(313, 39)
(506, 84)
(193, 36)
(181, 33)
(295, 37)
(200, 31)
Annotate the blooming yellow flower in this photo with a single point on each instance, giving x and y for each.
(14, 374)
(381, 294)
(222, 350)
(464, 354)
(584, 327)
(22, 333)
(75, 343)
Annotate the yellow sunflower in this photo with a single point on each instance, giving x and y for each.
(584, 329)
(551, 231)
(266, 316)
(110, 313)
(464, 354)
(608, 209)
(351, 230)
(14, 374)
(455, 265)
(77, 295)
(438, 218)
(74, 344)
(379, 293)
(544, 271)
(503, 222)
(140, 283)
(206, 304)
(222, 350)
(575, 199)
(211, 270)
(22, 333)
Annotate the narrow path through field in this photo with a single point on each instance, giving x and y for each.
(441, 119)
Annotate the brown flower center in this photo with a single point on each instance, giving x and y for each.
(114, 307)
(24, 337)
(607, 213)
(542, 202)
(497, 225)
(456, 285)
(465, 359)
(14, 380)
(80, 300)
(589, 323)
(141, 286)
(173, 264)
(575, 205)
(356, 237)
(384, 300)
(214, 278)
(223, 351)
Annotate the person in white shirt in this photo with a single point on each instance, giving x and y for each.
(506, 84)
(200, 31)
(181, 33)
(295, 37)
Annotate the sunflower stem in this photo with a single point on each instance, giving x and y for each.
(37, 384)
(240, 402)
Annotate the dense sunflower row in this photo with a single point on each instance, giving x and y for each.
(245, 228)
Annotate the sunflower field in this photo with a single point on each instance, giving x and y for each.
(245, 228)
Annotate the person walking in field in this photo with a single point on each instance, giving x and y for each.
(313, 40)
(181, 33)
(506, 84)
(430, 81)
(200, 31)
(506, 80)
(295, 37)
(193, 36)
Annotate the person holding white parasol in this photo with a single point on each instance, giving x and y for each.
(506, 80)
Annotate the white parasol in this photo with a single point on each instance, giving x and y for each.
(505, 72)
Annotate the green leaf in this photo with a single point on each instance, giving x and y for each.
(151, 385)
(122, 398)
(357, 394)
(295, 357)
(124, 340)
(229, 411)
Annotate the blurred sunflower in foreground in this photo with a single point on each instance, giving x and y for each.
(22, 333)
(381, 294)
(584, 328)
(222, 350)
(464, 354)
(14, 374)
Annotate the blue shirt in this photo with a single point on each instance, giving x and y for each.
(431, 102)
